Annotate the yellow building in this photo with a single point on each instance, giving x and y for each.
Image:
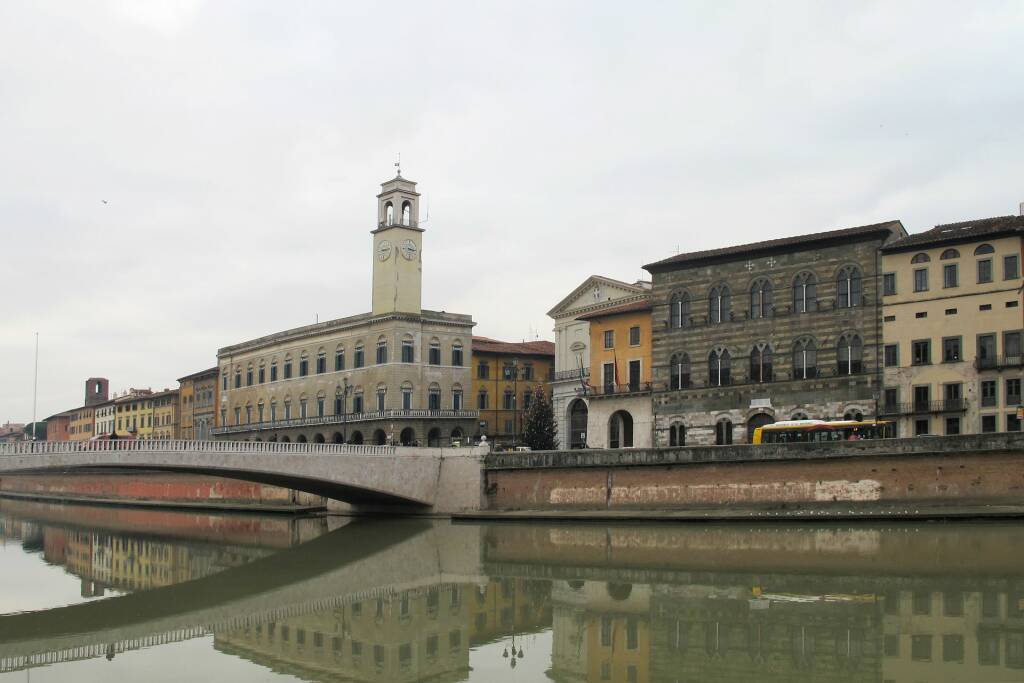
(952, 328)
(506, 377)
(134, 413)
(165, 415)
(82, 424)
(619, 413)
(197, 401)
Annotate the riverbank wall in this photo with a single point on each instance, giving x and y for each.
(156, 489)
(968, 472)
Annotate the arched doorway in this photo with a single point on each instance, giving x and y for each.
(319, 438)
(285, 439)
(434, 438)
(408, 437)
(337, 438)
(620, 430)
(578, 424)
(457, 437)
(755, 421)
(273, 439)
(380, 438)
(357, 438)
(301, 439)
(723, 432)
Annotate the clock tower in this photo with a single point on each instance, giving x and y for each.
(397, 249)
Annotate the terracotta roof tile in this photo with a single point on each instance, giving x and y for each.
(530, 348)
(632, 307)
(964, 231)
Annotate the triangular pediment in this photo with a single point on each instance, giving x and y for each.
(595, 291)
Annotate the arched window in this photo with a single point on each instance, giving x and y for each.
(805, 293)
(457, 353)
(679, 310)
(389, 214)
(434, 353)
(382, 350)
(805, 359)
(321, 362)
(983, 249)
(761, 363)
(407, 396)
(921, 258)
(848, 287)
(849, 352)
(406, 213)
(434, 396)
(481, 400)
(321, 400)
(718, 304)
(360, 358)
(679, 372)
(358, 404)
(677, 435)
(718, 367)
(303, 364)
(382, 394)
(948, 254)
(760, 299)
(339, 358)
(457, 397)
(723, 432)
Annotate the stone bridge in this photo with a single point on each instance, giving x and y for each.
(440, 480)
(364, 559)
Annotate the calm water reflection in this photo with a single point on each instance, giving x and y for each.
(110, 594)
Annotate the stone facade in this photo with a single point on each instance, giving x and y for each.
(396, 375)
(784, 329)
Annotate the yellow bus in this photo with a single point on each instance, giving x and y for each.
(820, 431)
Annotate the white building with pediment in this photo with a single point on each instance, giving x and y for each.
(572, 350)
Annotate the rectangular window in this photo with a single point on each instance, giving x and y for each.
(273, 373)
(359, 360)
(921, 426)
(921, 648)
(892, 356)
(408, 352)
(1012, 422)
(248, 377)
(435, 354)
(921, 314)
(321, 364)
(986, 351)
(223, 388)
(457, 356)
(238, 380)
(922, 398)
(481, 400)
(953, 648)
(381, 396)
(434, 400)
(952, 426)
(989, 393)
(989, 424)
(456, 400)
(888, 284)
(921, 280)
(339, 360)
(1013, 391)
(985, 307)
(634, 336)
(1011, 267)
(608, 376)
(892, 646)
(357, 403)
(238, 416)
(288, 370)
(921, 352)
(609, 339)
(303, 367)
(950, 311)
(509, 401)
(950, 276)
(262, 376)
(889, 318)
(951, 350)
(1012, 304)
(1012, 346)
(634, 375)
(892, 399)
(382, 352)
(508, 426)
(483, 371)
(984, 270)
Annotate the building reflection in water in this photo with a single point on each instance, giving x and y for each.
(852, 615)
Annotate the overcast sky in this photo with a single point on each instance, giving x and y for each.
(240, 145)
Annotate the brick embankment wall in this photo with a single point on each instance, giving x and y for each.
(155, 488)
(968, 471)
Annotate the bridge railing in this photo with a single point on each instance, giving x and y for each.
(183, 446)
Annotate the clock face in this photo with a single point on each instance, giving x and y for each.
(384, 250)
(409, 250)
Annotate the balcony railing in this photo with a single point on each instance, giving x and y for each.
(575, 374)
(351, 418)
(621, 389)
(185, 446)
(996, 362)
(949, 405)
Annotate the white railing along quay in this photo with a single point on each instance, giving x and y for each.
(183, 446)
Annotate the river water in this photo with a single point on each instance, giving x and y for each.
(110, 594)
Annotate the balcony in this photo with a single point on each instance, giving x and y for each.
(351, 418)
(574, 374)
(621, 389)
(949, 405)
(997, 362)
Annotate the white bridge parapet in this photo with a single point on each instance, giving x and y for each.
(444, 479)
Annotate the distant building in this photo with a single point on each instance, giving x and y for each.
(165, 415)
(397, 374)
(506, 378)
(57, 426)
(953, 328)
(572, 350)
(783, 329)
(12, 432)
(620, 414)
(197, 404)
(134, 411)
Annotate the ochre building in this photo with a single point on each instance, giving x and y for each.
(506, 378)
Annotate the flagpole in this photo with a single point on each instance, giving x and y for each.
(35, 389)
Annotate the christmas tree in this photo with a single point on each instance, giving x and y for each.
(540, 432)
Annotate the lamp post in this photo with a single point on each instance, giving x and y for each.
(341, 395)
(515, 401)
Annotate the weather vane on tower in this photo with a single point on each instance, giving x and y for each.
(398, 164)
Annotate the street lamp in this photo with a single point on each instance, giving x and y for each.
(341, 397)
(515, 401)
